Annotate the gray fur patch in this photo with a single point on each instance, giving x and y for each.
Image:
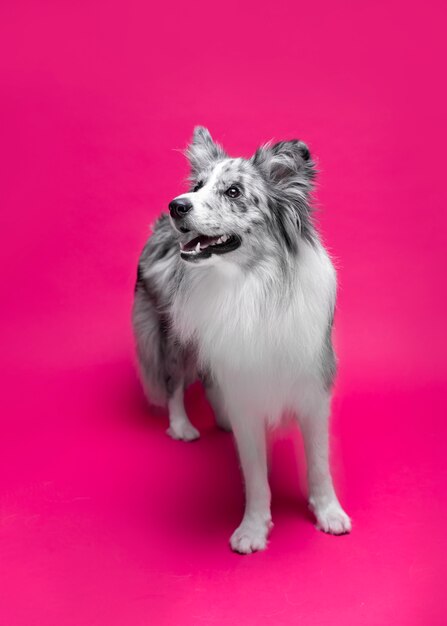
(329, 361)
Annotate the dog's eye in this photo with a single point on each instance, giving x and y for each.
(233, 192)
(198, 186)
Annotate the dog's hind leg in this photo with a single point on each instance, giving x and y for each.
(215, 398)
(179, 372)
(179, 425)
(314, 422)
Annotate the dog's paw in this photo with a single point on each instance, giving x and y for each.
(183, 431)
(332, 519)
(250, 536)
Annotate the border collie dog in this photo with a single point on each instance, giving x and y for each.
(235, 288)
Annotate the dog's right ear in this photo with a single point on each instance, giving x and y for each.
(287, 164)
(203, 152)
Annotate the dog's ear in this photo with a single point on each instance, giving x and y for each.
(289, 171)
(286, 163)
(203, 152)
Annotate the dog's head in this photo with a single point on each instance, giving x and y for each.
(241, 209)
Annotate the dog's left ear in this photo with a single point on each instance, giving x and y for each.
(203, 152)
(286, 162)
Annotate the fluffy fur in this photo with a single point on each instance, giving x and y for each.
(250, 314)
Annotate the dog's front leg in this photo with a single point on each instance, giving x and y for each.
(331, 518)
(252, 533)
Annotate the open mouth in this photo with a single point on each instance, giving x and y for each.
(203, 246)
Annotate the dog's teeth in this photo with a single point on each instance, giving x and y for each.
(197, 248)
(220, 240)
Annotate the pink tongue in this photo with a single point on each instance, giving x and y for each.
(202, 239)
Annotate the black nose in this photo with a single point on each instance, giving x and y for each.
(179, 207)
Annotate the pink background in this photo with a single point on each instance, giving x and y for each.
(104, 520)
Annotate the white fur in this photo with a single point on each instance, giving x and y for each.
(256, 345)
(263, 353)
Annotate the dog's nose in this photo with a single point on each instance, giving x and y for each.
(179, 207)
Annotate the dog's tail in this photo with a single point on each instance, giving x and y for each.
(148, 331)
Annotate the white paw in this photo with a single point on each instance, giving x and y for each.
(250, 536)
(183, 431)
(332, 519)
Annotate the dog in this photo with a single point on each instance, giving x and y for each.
(235, 287)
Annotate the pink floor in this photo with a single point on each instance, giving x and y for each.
(103, 519)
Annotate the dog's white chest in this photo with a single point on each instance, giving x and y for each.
(260, 339)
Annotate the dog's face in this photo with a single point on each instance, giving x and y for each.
(242, 209)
